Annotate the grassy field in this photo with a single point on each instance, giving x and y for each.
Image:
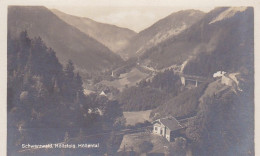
(129, 79)
(132, 141)
(136, 117)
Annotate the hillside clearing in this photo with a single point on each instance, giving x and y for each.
(137, 117)
(132, 141)
(129, 79)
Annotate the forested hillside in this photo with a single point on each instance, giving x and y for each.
(221, 40)
(231, 50)
(183, 105)
(224, 124)
(45, 100)
(150, 94)
(87, 54)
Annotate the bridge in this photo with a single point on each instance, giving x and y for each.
(185, 78)
(192, 79)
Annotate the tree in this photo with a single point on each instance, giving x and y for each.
(24, 39)
(167, 81)
(112, 143)
(78, 83)
(66, 137)
(143, 83)
(69, 70)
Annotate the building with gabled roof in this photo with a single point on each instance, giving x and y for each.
(169, 128)
(103, 94)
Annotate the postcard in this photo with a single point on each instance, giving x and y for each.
(137, 78)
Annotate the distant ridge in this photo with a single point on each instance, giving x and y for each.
(160, 31)
(114, 37)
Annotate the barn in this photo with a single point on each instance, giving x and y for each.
(169, 128)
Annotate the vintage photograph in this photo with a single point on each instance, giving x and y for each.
(130, 81)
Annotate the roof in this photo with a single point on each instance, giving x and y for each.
(103, 93)
(171, 123)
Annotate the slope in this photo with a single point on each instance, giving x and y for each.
(115, 38)
(228, 40)
(161, 30)
(222, 40)
(69, 43)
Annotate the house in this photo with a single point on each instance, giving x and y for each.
(226, 80)
(103, 94)
(219, 74)
(169, 128)
(95, 111)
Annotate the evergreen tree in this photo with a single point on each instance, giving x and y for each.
(78, 83)
(69, 71)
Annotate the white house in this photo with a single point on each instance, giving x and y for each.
(225, 79)
(169, 128)
(103, 94)
(219, 74)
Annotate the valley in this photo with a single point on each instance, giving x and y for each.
(183, 86)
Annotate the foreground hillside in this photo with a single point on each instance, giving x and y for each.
(224, 124)
(183, 105)
(220, 122)
(115, 38)
(46, 103)
(68, 42)
(141, 143)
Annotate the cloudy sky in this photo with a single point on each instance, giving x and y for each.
(135, 18)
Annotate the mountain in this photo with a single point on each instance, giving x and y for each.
(115, 38)
(67, 41)
(160, 31)
(221, 40)
(227, 42)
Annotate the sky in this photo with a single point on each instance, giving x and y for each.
(135, 18)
